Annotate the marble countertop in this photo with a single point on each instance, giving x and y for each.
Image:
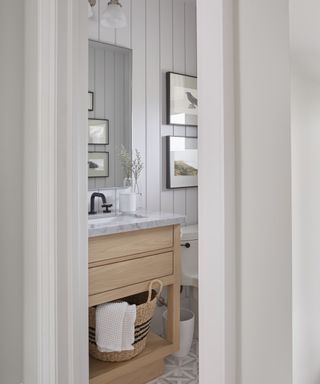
(107, 224)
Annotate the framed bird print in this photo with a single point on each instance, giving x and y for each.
(182, 99)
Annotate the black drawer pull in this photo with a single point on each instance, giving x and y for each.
(187, 245)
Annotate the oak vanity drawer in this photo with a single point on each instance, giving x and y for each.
(116, 275)
(129, 243)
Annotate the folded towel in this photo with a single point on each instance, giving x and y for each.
(128, 328)
(115, 326)
(109, 325)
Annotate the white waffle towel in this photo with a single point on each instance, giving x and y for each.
(115, 327)
(128, 328)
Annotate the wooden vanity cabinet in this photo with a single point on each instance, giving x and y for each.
(123, 264)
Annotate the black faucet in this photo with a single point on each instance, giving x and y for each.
(104, 203)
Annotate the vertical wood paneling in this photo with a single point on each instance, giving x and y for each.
(178, 20)
(191, 69)
(91, 76)
(166, 51)
(179, 66)
(91, 184)
(109, 111)
(190, 39)
(99, 109)
(166, 64)
(152, 105)
(127, 140)
(99, 65)
(119, 112)
(162, 35)
(123, 35)
(139, 86)
(91, 86)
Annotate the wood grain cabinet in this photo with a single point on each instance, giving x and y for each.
(124, 264)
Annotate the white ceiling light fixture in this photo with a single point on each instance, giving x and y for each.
(91, 13)
(113, 16)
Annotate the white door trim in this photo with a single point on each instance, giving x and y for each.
(55, 194)
(217, 261)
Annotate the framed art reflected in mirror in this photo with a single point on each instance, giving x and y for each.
(90, 101)
(98, 164)
(98, 131)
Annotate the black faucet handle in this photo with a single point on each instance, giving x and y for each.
(107, 208)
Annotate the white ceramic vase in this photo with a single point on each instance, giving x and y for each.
(128, 202)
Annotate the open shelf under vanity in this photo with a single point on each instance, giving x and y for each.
(157, 348)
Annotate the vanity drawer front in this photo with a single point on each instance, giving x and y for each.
(116, 275)
(129, 243)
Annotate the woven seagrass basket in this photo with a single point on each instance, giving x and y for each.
(145, 306)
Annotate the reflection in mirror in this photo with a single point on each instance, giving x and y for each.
(109, 124)
(98, 131)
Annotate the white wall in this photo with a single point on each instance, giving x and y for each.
(11, 154)
(162, 35)
(305, 114)
(264, 206)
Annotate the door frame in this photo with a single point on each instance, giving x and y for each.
(217, 193)
(55, 193)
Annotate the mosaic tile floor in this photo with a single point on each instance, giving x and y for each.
(181, 371)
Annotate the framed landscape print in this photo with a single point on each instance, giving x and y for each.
(182, 99)
(98, 131)
(90, 101)
(182, 162)
(98, 164)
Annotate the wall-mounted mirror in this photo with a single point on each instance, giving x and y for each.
(109, 111)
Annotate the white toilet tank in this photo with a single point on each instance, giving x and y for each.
(189, 255)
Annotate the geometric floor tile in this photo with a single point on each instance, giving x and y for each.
(181, 371)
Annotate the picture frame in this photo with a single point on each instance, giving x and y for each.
(182, 162)
(182, 99)
(98, 131)
(90, 101)
(98, 164)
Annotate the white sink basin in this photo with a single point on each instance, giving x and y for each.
(103, 220)
(110, 223)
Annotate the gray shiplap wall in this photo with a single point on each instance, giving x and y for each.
(162, 35)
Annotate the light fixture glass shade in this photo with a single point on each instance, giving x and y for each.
(113, 17)
(90, 11)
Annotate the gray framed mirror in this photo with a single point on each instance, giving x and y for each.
(110, 121)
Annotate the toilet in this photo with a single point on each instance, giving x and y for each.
(189, 256)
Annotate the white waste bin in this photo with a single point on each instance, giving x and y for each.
(186, 330)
